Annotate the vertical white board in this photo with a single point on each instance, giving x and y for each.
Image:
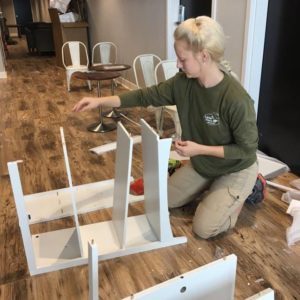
(156, 156)
(93, 271)
(72, 190)
(22, 214)
(122, 183)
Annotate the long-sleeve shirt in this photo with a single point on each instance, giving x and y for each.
(222, 115)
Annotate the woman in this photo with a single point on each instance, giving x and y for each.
(218, 123)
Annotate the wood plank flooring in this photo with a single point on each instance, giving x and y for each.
(34, 103)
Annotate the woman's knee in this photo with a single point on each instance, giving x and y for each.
(202, 231)
(205, 229)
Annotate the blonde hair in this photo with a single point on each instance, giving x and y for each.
(202, 33)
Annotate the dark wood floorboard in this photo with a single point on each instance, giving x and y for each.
(34, 103)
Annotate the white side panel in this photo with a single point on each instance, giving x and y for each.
(73, 194)
(122, 181)
(156, 155)
(22, 214)
(213, 281)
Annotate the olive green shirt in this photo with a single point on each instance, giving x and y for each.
(222, 115)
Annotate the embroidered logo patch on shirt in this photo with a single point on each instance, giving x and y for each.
(212, 119)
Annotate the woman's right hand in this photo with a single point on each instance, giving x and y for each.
(86, 103)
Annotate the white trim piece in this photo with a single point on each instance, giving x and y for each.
(172, 10)
(267, 294)
(123, 235)
(3, 75)
(126, 83)
(255, 28)
(280, 186)
(212, 281)
(214, 7)
(93, 271)
(137, 139)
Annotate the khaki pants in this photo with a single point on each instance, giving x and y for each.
(220, 206)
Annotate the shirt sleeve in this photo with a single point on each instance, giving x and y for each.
(242, 122)
(157, 95)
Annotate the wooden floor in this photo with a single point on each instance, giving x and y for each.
(34, 103)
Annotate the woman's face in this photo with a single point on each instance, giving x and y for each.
(188, 61)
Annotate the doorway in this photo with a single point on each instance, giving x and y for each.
(23, 13)
(195, 8)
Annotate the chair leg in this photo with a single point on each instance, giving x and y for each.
(69, 81)
(89, 84)
(159, 118)
(177, 125)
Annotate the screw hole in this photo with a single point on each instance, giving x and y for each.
(183, 289)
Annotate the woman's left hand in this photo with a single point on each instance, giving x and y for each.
(186, 148)
(189, 148)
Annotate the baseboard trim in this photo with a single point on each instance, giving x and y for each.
(3, 75)
(126, 83)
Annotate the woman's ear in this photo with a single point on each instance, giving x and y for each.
(205, 56)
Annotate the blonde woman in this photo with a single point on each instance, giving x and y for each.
(218, 123)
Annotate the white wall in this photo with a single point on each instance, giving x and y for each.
(231, 14)
(9, 13)
(135, 26)
(2, 59)
(244, 22)
(146, 26)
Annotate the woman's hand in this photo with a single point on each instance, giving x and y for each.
(186, 148)
(189, 148)
(86, 103)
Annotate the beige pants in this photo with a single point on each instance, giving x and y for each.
(220, 206)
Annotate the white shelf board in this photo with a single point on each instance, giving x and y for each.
(56, 204)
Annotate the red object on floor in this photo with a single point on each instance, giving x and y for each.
(137, 187)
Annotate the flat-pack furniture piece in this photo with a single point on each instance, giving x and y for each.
(213, 281)
(123, 235)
